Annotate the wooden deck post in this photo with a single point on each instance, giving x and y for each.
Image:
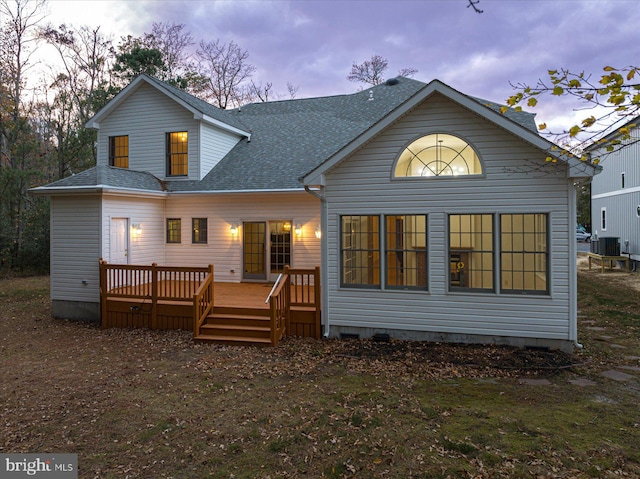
(103, 293)
(318, 301)
(154, 295)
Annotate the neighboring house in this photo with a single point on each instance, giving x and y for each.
(615, 193)
(432, 215)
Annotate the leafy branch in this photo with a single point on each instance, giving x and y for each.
(613, 98)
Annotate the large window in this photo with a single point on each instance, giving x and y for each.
(523, 253)
(177, 153)
(174, 226)
(471, 252)
(199, 230)
(119, 151)
(438, 155)
(360, 251)
(406, 251)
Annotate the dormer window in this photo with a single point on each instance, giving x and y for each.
(436, 156)
(177, 153)
(119, 151)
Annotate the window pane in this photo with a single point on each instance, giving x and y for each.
(406, 251)
(438, 155)
(360, 251)
(177, 153)
(119, 151)
(524, 255)
(173, 230)
(471, 252)
(199, 230)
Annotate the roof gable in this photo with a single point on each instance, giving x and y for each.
(518, 123)
(201, 110)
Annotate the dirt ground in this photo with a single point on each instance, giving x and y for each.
(617, 275)
(138, 403)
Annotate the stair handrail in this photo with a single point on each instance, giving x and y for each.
(275, 285)
(279, 308)
(203, 302)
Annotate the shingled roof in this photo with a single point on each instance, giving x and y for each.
(110, 176)
(287, 140)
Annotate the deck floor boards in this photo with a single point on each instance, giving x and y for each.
(241, 295)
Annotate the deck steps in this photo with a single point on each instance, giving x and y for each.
(240, 341)
(236, 326)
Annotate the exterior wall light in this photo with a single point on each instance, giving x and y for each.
(136, 229)
(318, 232)
(234, 229)
(298, 229)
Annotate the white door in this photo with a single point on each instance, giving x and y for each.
(119, 246)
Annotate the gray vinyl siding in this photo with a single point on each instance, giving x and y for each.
(146, 117)
(621, 203)
(362, 185)
(215, 144)
(75, 248)
(622, 220)
(625, 160)
(222, 249)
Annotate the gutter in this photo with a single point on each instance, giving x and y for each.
(95, 189)
(324, 256)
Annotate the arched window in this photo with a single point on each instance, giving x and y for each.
(438, 155)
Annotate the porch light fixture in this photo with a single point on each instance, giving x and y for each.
(318, 232)
(136, 229)
(298, 229)
(234, 229)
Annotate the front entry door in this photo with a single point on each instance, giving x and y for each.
(260, 237)
(119, 241)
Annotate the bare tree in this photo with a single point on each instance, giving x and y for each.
(260, 92)
(226, 70)
(293, 90)
(85, 57)
(371, 72)
(173, 42)
(19, 32)
(19, 145)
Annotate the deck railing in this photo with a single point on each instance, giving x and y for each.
(279, 308)
(154, 283)
(175, 286)
(305, 290)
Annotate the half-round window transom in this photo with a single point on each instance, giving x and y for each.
(438, 155)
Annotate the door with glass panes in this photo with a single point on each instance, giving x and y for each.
(266, 249)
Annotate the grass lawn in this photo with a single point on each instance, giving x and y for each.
(152, 404)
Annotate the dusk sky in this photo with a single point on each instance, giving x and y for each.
(312, 44)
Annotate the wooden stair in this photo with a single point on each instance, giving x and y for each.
(231, 325)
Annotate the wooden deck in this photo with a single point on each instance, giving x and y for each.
(159, 297)
(241, 295)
